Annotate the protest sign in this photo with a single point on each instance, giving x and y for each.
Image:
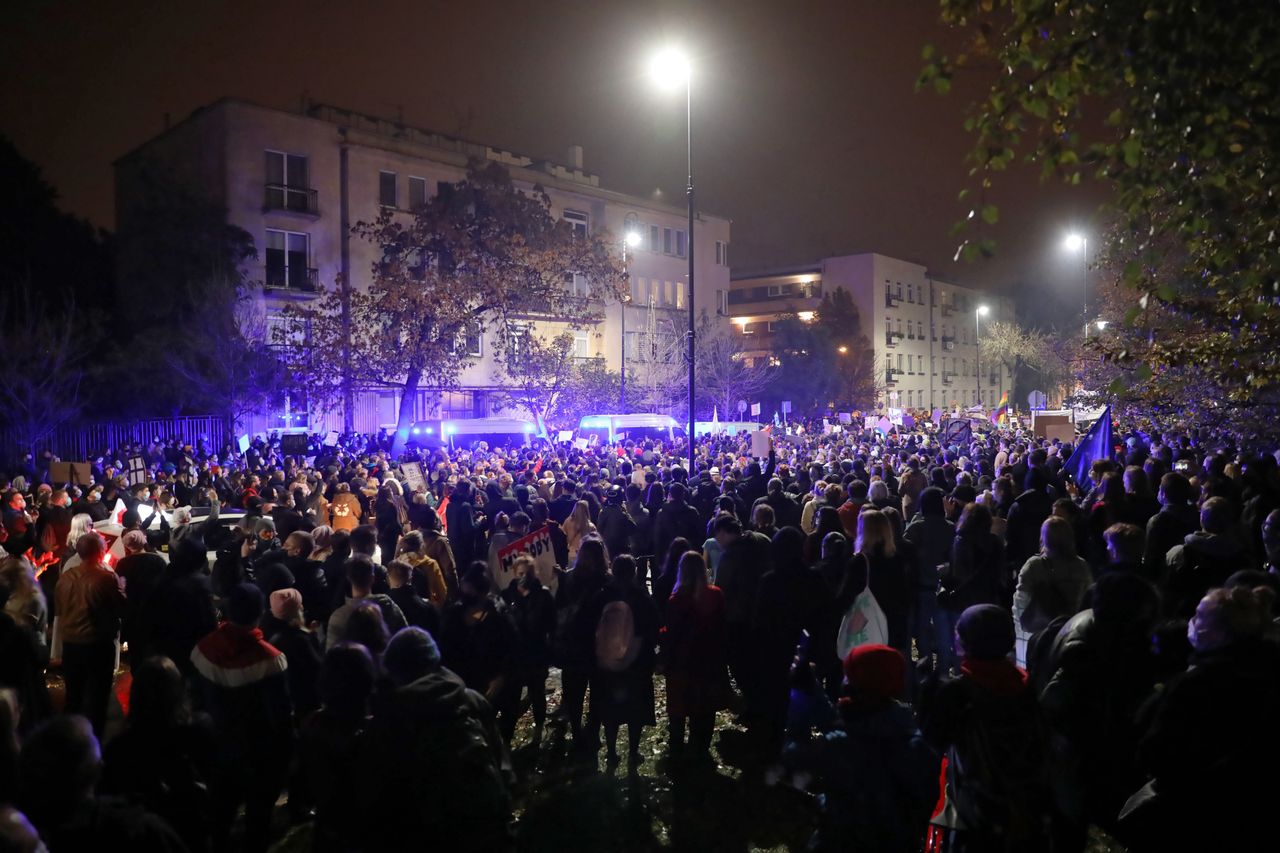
(870, 421)
(537, 545)
(760, 443)
(331, 440)
(413, 476)
(309, 462)
(71, 473)
(580, 443)
(564, 435)
(786, 407)
(755, 410)
(137, 471)
(243, 443)
(846, 417)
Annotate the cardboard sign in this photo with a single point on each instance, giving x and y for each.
(580, 443)
(755, 410)
(243, 443)
(71, 473)
(564, 435)
(760, 443)
(413, 476)
(331, 440)
(870, 421)
(786, 407)
(137, 471)
(846, 418)
(537, 545)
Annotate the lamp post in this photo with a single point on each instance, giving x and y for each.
(978, 314)
(632, 239)
(670, 69)
(1076, 242)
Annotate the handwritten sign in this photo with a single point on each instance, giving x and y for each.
(413, 476)
(760, 443)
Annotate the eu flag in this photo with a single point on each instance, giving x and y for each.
(1095, 445)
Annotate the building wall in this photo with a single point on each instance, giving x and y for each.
(230, 140)
(921, 328)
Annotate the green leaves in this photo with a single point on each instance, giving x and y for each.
(990, 214)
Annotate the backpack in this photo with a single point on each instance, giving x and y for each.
(617, 645)
(998, 770)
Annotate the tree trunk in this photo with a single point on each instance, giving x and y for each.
(404, 420)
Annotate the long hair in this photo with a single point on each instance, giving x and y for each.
(671, 565)
(692, 576)
(875, 535)
(1057, 538)
(81, 523)
(975, 518)
(593, 559)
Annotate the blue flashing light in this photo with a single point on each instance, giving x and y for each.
(528, 427)
(450, 429)
(416, 430)
(591, 423)
(429, 430)
(404, 432)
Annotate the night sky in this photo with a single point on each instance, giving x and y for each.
(808, 133)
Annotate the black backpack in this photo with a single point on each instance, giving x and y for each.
(998, 774)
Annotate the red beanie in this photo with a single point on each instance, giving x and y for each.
(875, 672)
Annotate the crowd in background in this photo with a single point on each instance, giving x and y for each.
(1057, 654)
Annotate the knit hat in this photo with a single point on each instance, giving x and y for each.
(985, 632)
(135, 540)
(875, 672)
(286, 603)
(263, 524)
(411, 654)
(244, 604)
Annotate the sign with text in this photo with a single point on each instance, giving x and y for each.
(537, 545)
(137, 471)
(243, 443)
(413, 476)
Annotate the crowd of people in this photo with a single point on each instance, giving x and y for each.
(959, 646)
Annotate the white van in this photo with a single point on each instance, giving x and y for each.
(726, 427)
(496, 432)
(639, 427)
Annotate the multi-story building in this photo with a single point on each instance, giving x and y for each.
(298, 182)
(923, 331)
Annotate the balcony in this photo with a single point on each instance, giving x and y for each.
(948, 309)
(891, 377)
(891, 338)
(298, 279)
(948, 343)
(292, 199)
(891, 301)
(948, 378)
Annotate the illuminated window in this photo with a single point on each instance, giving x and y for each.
(578, 221)
(581, 345)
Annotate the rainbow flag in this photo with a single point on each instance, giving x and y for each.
(1000, 417)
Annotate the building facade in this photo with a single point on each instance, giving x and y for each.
(923, 331)
(298, 181)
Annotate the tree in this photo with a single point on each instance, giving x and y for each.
(826, 363)
(480, 257)
(592, 388)
(41, 378)
(659, 381)
(1023, 352)
(1173, 105)
(724, 376)
(540, 372)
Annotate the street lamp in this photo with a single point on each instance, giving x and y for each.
(1077, 242)
(631, 240)
(842, 349)
(978, 314)
(670, 70)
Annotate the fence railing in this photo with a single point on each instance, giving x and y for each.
(77, 443)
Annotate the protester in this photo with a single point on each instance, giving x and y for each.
(90, 606)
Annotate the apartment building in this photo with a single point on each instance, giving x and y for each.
(298, 181)
(923, 330)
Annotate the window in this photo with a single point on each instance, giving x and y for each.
(911, 293)
(899, 291)
(899, 362)
(288, 253)
(387, 189)
(680, 247)
(581, 345)
(771, 326)
(576, 283)
(899, 326)
(641, 295)
(667, 241)
(720, 302)
(287, 187)
(679, 295)
(655, 240)
(470, 340)
(631, 346)
(417, 192)
(285, 332)
(748, 329)
(578, 221)
(668, 293)
(722, 253)
(444, 188)
(517, 334)
(933, 365)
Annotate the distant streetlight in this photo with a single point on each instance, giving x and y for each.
(632, 239)
(842, 349)
(670, 69)
(1075, 243)
(978, 314)
(1101, 325)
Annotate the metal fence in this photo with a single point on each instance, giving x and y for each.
(78, 442)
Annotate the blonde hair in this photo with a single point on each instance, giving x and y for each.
(81, 523)
(875, 534)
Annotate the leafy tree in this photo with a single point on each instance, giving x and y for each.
(1030, 356)
(1174, 106)
(592, 388)
(482, 257)
(540, 374)
(827, 362)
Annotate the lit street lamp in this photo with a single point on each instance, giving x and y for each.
(1076, 242)
(670, 69)
(981, 312)
(632, 240)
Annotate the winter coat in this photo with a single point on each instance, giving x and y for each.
(1048, 588)
(977, 573)
(1202, 562)
(695, 649)
(932, 536)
